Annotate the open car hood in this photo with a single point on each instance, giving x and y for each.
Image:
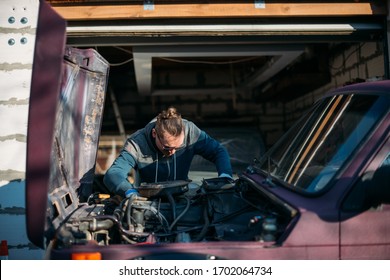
(65, 115)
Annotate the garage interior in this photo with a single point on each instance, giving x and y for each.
(225, 63)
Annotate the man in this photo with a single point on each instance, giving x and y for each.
(163, 151)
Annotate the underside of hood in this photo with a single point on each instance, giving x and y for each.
(66, 105)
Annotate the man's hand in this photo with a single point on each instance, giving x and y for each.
(134, 195)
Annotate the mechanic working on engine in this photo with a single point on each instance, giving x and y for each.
(163, 151)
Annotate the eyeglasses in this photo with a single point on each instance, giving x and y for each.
(168, 148)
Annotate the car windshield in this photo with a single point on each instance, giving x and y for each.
(312, 152)
(242, 143)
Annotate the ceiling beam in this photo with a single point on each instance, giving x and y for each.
(187, 92)
(221, 29)
(81, 10)
(284, 54)
(274, 66)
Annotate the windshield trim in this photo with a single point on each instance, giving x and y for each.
(323, 122)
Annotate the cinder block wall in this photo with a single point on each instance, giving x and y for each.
(360, 62)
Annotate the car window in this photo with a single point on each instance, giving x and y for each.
(323, 141)
(371, 186)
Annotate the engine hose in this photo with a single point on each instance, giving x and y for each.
(123, 232)
(128, 213)
(113, 219)
(135, 234)
(128, 240)
(100, 218)
(120, 209)
(129, 205)
(181, 214)
(96, 225)
(173, 205)
(205, 226)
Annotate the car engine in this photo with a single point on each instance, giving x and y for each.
(220, 209)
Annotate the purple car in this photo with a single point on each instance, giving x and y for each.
(321, 192)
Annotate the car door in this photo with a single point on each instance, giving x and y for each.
(365, 225)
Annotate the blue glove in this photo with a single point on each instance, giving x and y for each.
(131, 192)
(225, 175)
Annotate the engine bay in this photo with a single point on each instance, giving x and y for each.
(220, 209)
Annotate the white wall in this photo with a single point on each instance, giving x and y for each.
(18, 20)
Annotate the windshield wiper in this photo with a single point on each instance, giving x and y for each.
(269, 179)
(256, 168)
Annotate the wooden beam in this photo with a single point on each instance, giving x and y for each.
(214, 9)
